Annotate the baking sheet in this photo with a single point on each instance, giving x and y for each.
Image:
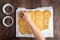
(46, 33)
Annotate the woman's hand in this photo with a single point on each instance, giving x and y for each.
(26, 16)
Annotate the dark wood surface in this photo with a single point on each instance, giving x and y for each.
(10, 34)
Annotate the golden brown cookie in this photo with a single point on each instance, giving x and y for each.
(38, 14)
(22, 24)
(46, 24)
(29, 29)
(33, 19)
(39, 19)
(46, 15)
(22, 29)
(32, 15)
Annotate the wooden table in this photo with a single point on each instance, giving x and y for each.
(10, 33)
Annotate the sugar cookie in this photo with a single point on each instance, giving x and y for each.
(22, 29)
(22, 24)
(47, 15)
(33, 19)
(32, 15)
(39, 19)
(29, 29)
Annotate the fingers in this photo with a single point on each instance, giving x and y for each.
(23, 13)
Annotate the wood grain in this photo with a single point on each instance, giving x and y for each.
(9, 33)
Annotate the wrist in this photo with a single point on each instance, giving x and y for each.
(29, 21)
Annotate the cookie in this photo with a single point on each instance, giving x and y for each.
(29, 29)
(22, 29)
(32, 15)
(47, 15)
(33, 19)
(22, 24)
(39, 19)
